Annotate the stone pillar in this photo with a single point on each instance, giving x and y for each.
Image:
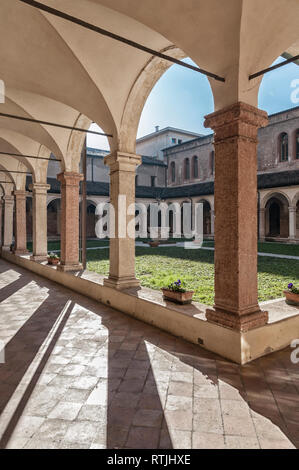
(292, 224)
(8, 222)
(236, 291)
(122, 195)
(1, 221)
(212, 222)
(39, 221)
(262, 235)
(69, 257)
(20, 227)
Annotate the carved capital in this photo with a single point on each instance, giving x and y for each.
(237, 120)
(121, 161)
(69, 178)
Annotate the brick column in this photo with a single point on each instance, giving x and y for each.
(69, 256)
(262, 224)
(236, 293)
(20, 227)
(8, 222)
(292, 224)
(122, 194)
(39, 221)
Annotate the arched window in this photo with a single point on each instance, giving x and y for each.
(212, 162)
(284, 147)
(172, 170)
(297, 143)
(187, 169)
(195, 166)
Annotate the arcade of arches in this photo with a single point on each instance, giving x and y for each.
(112, 82)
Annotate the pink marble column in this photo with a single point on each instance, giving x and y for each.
(70, 183)
(236, 291)
(20, 227)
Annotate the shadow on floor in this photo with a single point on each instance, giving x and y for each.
(139, 358)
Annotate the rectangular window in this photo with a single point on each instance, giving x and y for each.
(180, 141)
(153, 181)
(173, 140)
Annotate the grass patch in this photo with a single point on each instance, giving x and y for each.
(270, 247)
(158, 267)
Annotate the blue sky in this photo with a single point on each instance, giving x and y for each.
(182, 98)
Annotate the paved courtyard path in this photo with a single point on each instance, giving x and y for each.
(78, 374)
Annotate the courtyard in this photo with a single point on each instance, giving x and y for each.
(79, 374)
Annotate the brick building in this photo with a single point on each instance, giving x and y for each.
(186, 173)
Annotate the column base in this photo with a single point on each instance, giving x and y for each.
(69, 267)
(6, 247)
(237, 322)
(39, 258)
(122, 283)
(20, 252)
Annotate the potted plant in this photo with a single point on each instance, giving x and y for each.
(53, 259)
(175, 292)
(292, 294)
(154, 243)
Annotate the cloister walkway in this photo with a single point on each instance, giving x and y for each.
(78, 374)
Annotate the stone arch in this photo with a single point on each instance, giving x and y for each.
(53, 218)
(207, 216)
(277, 216)
(138, 95)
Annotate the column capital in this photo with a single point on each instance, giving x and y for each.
(39, 188)
(9, 199)
(70, 178)
(122, 161)
(237, 120)
(292, 209)
(20, 193)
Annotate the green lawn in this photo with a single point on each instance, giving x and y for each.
(157, 267)
(271, 247)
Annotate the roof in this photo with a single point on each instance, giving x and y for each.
(264, 181)
(167, 129)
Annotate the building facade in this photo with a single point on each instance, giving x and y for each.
(184, 173)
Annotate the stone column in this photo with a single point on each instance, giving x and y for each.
(236, 292)
(8, 222)
(212, 222)
(292, 224)
(69, 257)
(20, 227)
(39, 221)
(122, 195)
(262, 224)
(1, 221)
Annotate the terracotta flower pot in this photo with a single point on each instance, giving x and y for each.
(291, 298)
(178, 297)
(154, 244)
(53, 261)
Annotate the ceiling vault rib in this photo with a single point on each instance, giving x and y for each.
(104, 32)
(277, 66)
(54, 124)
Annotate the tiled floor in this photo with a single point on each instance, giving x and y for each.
(78, 374)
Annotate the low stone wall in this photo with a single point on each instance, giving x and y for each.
(187, 322)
